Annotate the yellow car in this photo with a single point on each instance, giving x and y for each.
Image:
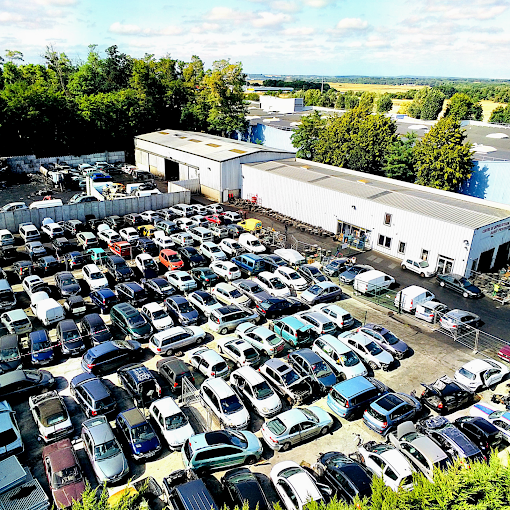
(251, 224)
(146, 230)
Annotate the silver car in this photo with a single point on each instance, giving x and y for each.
(295, 426)
(104, 451)
(458, 320)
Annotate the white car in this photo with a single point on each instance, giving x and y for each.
(182, 239)
(261, 338)
(225, 404)
(295, 486)
(209, 362)
(239, 351)
(215, 208)
(12, 443)
(129, 234)
(95, 278)
(421, 267)
(51, 416)
(170, 340)
(157, 316)
(186, 223)
(32, 284)
(162, 241)
(252, 386)
(233, 216)
(273, 284)
(388, 463)
(430, 311)
(229, 295)
(321, 324)
(150, 216)
(200, 219)
(342, 318)
(291, 278)
(200, 209)
(212, 251)
(181, 280)
(144, 261)
(108, 235)
(481, 373)
(171, 421)
(204, 302)
(52, 230)
(367, 350)
(225, 269)
(231, 247)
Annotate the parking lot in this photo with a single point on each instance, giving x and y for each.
(432, 355)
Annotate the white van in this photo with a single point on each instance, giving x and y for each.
(251, 243)
(372, 282)
(42, 204)
(29, 232)
(49, 311)
(201, 234)
(146, 192)
(292, 257)
(410, 297)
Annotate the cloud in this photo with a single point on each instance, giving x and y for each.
(270, 19)
(285, 6)
(57, 2)
(205, 28)
(318, 4)
(299, 31)
(9, 17)
(475, 9)
(351, 24)
(119, 28)
(225, 13)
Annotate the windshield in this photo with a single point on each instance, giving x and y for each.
(66, 476)
(277, 283)
(391, 338)
(149, 263)
(173, 258)
(176, 421)
(142, 432)
(276, 426)
(136, 321)
(373, 348)
(290, 377)
(159, 314)
(186, 278)
(256, 289)
(185, 307)
(467, 374)
(273, 340)
(55, 418)
(209, 300)
(70, 335)
(349, 359)
(9, 354)
(235, 294)
(320, 369)
(255, 243)
(424, 264)
(39, 346)
(466, 282)
(293, 275)
(96, 276)
(262, 390)
(314, 289)
(230, 404)
(106, 450)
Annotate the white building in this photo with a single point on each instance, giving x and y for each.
(282, 104)
(213, 160)
(455, 233)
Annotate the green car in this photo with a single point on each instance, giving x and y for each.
(130, 321)
(221, 449)
(293, 331)
(96, 255)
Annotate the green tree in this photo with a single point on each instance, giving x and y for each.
(462, 107)
(312, 97)
(12, 55)
(443, 159)
(351, 100)
(400, 161)
(500, 115)
(432, 104)
(384, 103)
(306, 136)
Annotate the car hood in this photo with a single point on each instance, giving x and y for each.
(123, 270)
(238, 418)
(73, 288)
(112, 467)
(146, 446)
(178, 436)
(65, 496)
(328, 381)
(165, 322)
(400, 346)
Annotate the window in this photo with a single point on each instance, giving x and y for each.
(387, 219)
(424, 254)
(401, 247)
(384, 241)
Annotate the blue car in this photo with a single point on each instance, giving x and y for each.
(390, 410)
(41, 351)
(138, 433)
(104, 299)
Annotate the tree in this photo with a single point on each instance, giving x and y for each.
(462, 107)
(427, 104)
(400, 161)
(443, 159)
(12, 55)
(306, 136)
(60, 65)
(500, 115)
(384, 103)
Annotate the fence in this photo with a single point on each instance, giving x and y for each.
(192, 184)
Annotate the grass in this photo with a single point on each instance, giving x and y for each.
(488, 107)
(368, 87)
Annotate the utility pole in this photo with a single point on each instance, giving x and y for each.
(322, 85)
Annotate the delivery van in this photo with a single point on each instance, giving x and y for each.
(410, 297)
(49, 311)
(251, 243)
(372, 282)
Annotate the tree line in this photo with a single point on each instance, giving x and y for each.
(368, 142)
(62, 107)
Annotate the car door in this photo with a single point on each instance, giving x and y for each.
(404, 412)
(293, 435)
(285, 491)
(307, 430)
(491, 376)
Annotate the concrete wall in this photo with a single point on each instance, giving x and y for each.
(489, 180)
(192, 184)
(11, 220)
(31, 164)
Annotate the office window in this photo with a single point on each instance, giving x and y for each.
(401, 247)
(384, 241)
(387, 219)
(424, 254)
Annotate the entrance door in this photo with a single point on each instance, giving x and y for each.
(485, 261)
(171, 170)
(444, 265)
(502, 256)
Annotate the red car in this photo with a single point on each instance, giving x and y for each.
(63, 472)
(122, 248)
(504, 353)
(170, 259)
(214, 218)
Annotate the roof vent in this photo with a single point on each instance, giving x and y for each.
(213, 145)
(238, 151)
(193, 140)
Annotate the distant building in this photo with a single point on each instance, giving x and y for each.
(258, 88)
(282, 104)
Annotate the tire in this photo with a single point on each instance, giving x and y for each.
(441, 284)
(422, 275)
(403, 267)
(465, 294)
(324, 431)
(373, 365)
(285, 447)
(169, 352)
(251, 459)
(223, 331)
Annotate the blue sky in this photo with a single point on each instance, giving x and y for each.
(329, 37)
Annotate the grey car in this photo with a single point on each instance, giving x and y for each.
(252, 289)
(66, 284)
(458, 320)
(104, 451)
(386, 339)
(308, 363)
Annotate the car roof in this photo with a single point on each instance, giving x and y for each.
(127, 309)
(67, 325)
(61, 455)
(166, 405)
(377, 328)
(219, 386)
(477, 365)
(426, 446)
(8, 341)
(278, 365)
(319, 316)
(210, 355)
(99, 429)
(133, 417)
(16, 314)
(106, 292)
(93, 319)
(354, 386)
(176, 365)
(291, 417)
(291, 321)
(308, 355)
(251, 375)
(138, 372)
(388, 402)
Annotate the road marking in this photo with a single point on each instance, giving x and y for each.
(372, 257)
(378, 260)
(392, 266)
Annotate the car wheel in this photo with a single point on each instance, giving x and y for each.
(251, 459)
(373, 365)
(285, 447)
(403, 267)
(422, 275)
(220, 348)
(465, 294)
(169, 352)
(441, 284)
(223, 331)
(324, 431)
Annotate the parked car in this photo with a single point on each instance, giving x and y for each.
(170, 259)
(295, 426)
(293, 331)
(93, 329)
(209, 362)
(336, 266)
(431, 311)
(35, 249)
(229, 246)
(227, 318)
(493, 414)
(242, 487)
(139, 383)
(366, 348)
(146, 245)
(446, 395)
(51, 416)
(87, 240)
(240, 352)
(386, 339)
(482, 433)
(157, 288)
(104, 299)
(106, 357)
(309, 364)
(12, 442)
(180, 310)
(41, 349)
(20, 383)
(322, 292)
(291, 278)
(320, 323)
(92, 395)
(10, 355)
(181, 280)
(67, 284)
(173, 339)
(61, 246)
(131, 292)
(204, 302)
(229, 295)
(422, 267)
(130, 321)
(69, 338)
(47, 265)
(275, 307)
(226, 270)
(459, 284)
(118, 269)
(312, 274)
(351, 272)
(157, 316)
(174, 371)
(260, 337)
(212, 251)
(481, 373)
(16, 322)
(204, 276)
(191, 257)
(138, 434)
(459, 320)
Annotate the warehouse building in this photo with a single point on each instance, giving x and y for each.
(454, 233)
(212, 160)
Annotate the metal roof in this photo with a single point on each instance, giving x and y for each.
(205, 145)
(445, 206)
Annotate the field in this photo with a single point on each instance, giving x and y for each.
(368, 87)
(488, 107)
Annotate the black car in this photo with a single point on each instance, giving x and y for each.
(73, 226)
(133, 220)
(242, 487)
(157, 288)
(114, 222)
(445, 395)
(66, 284)
(104, 299)
(92, 224)
(336, 266)
(47, 265)
(459, 284)
(108, 356)
(35, 250)
(75, 305)
(345, 476)
(146, 245)
(19, 384)
(272, 261)
(204, 276)
(94, 331)
(278, 307)
(174, 370)
(307, 363)
(10, 356)
(69, 338)
(61, 245)
(181, 310)
(92, 395)
(131, 292)
(140, 383)
(449, 438)
(234, 230)
(117, 267)
(23, 268)
(191, 257)
(312, 274)
(73, 260)
(481, 431)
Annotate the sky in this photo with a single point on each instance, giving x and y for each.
(461, 38)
